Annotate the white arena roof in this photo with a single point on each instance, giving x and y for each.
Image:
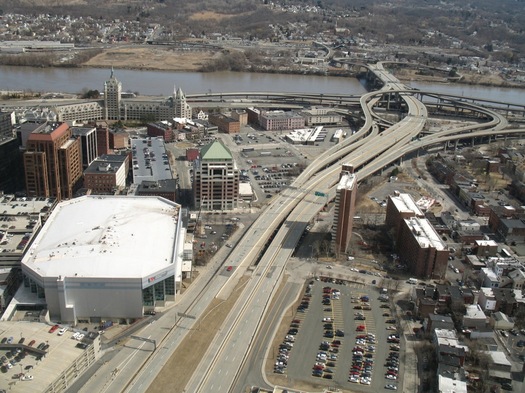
(106, 236)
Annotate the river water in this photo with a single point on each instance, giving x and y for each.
(146, 82)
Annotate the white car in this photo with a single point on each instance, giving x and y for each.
(390, 376)
(354, 379)
(80, 337)
(27, 378)
(327, 319)
(391, 387)
(62, 331)
(75, 335)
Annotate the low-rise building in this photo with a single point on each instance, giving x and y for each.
(107, 174)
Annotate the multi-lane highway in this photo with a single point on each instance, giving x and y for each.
(369, 150)
(366, 149)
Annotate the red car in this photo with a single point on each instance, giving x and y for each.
(229, 268)
(53, 328)
(360, 328)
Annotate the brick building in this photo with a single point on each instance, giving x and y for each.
(52, 162)
(107, 174)
(421, 249)
(345, 197)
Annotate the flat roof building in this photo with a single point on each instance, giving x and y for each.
(345, 197)
(421, 248)
(104, 257)
(107, 174)
(52, 162)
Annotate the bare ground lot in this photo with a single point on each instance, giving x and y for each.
(153, 58)
(175, 376)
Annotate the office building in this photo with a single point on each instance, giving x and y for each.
(182, 108)
(88, 143)
(52, 162)
(112, 97)
(106, 258)
(215, 179)
(7, 119)
(346, 193)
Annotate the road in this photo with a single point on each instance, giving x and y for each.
(228, 354)
(285, 219)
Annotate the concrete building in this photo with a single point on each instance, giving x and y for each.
(215, 179)
(166, 188)
(52, 162)
(150, 160)
(88, 143)
(420, 247)
(317, 116)
(104, 258)
(107, 174)
(182, 108)
(280, 120)
(20, 221)
(474, 317)
(112, 97)
(346, 194)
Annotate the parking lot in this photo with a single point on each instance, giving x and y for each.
(32, 354)
(341, 334)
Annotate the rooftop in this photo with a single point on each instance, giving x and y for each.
(215, 151)
(404, 203)
(111, 236)
(148, 161)
(425, 234)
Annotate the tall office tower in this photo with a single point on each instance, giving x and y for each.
(215, 179)
(344, 209)
(7, 119)
(88, 144)
(11, 175)
(52, 162)
(112, 96)
(182, 108)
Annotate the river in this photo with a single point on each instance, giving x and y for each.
(153, 83)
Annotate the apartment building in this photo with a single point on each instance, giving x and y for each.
(345, 197)
(421, 248)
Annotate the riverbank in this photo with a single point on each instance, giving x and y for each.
(161, 58)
